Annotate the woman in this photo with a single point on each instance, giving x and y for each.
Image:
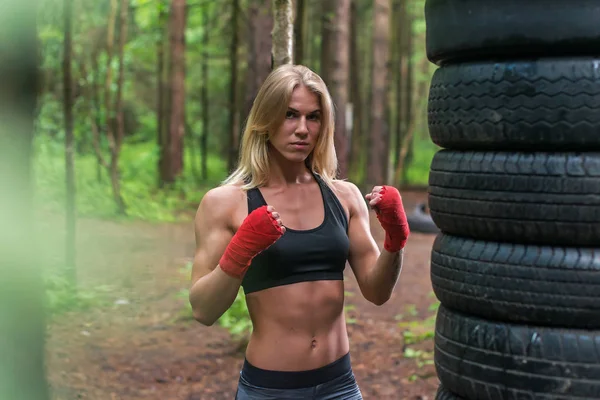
(283, 227)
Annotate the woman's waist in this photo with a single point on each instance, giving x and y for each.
(277, 379)
(296, 347)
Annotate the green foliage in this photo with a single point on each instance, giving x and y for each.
(62, 296)
(417, 172)
(236, 319)
(416, 332)
(138, 164)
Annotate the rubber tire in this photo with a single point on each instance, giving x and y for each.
(485, 360)
(538, 198)
(443, 394)
(458, 30)
(547, 104)
(546, 286)
(421, 222)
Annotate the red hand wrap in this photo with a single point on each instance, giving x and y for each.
(391, 215)
(258, 231)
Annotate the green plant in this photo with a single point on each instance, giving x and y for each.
(236, 319)
(138, 163)
(61, 296)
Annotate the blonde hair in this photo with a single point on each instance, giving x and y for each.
(267, 114)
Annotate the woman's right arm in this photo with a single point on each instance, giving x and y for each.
(213, 291)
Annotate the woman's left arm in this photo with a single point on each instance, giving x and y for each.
(377, 272)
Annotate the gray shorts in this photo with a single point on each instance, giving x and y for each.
(333, 381)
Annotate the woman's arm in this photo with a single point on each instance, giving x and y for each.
(213, 291)
(376, 272)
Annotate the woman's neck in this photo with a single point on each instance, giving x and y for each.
(284, 172)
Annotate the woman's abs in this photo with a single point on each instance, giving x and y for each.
(297, 327)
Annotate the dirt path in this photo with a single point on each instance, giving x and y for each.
(136, 346)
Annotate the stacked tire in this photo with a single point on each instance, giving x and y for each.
(515, 191)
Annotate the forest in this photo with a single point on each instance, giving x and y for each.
(140, 108)
(118, 116)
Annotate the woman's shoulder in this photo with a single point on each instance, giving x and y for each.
(347, 192)
(223, 200)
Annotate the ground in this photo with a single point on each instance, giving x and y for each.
(138, 345)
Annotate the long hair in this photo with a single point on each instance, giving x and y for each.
(268, 113)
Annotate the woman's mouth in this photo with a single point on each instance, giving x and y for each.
(300, 145)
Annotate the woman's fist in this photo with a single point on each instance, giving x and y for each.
(261, 228)
(387, 203)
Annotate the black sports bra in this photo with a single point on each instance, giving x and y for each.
(302, 255)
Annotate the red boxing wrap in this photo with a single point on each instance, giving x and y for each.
(392, 217)
(258, 231)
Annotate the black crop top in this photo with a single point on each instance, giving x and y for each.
(302, 255)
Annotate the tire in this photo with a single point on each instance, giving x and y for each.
(421, 222)
(546, 286)
(546, 105)
(485, 360)
(458, 30)
(538, 198)
(443, 394)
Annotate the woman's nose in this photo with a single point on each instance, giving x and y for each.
(302, 127)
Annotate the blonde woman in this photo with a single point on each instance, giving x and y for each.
(282, 227)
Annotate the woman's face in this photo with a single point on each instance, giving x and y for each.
(297, 136)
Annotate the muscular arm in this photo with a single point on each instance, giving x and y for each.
(376, 272)
(213, 291)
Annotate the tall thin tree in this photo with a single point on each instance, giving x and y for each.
(161, 88)
(283, 33)
(22, 332)
(204, 93)
(233, 144)
(376, 169)
(260, 25)
(299, 31)
(70, 268)
(335, 69)
(174, 166)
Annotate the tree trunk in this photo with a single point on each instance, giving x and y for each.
(116, 149)
(336, 68)
(408, 139)
(400, 69)
(204, 96)
(378, 141)
(357, 133)
(96, 111)
(233, 144)
(160, 88)
(110, 122)
(260, 25)
(70, 268)
(174, 164)
(283, 33)
(22, 332)
(411, 119)
(299, 32)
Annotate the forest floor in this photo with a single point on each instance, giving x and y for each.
(138, 343)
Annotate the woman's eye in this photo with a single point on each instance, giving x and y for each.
(290, 114)
(313, 117)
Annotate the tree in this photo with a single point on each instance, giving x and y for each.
(376, 170)
(299, 31)
(283, 33)
(173, 165)
(336, 69)
(70, 211)
(260, 24)
(233, 89)
(22, 374)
